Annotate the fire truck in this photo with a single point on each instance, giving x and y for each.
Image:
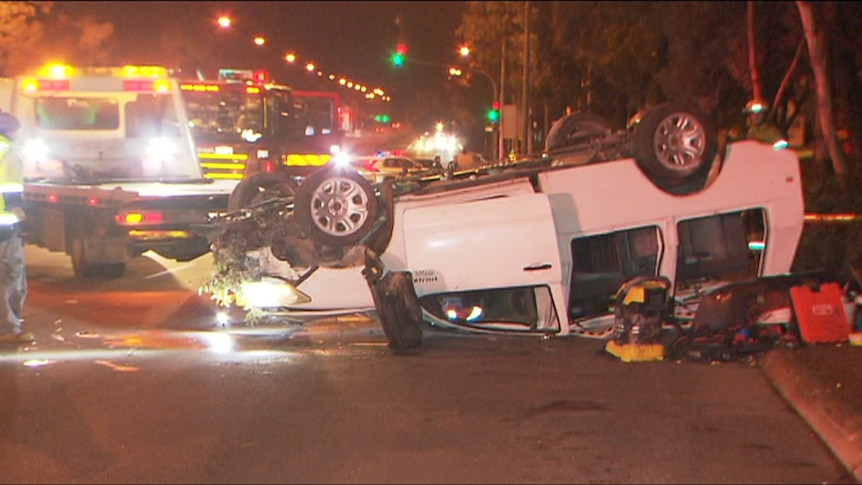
(243, 124)
(110, 165)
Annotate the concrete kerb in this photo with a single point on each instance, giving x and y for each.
(800, 390)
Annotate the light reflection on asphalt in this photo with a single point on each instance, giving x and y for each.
(125, 351)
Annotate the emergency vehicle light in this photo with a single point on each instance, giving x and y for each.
(235, 75)
(199, 87)
(144, 71)
(260, 76)
(30, 85)
(56, 71)
(159, 85)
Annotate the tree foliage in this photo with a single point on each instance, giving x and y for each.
(21, 32)
(25, 43)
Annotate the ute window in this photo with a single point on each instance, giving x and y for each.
(77, 113)
(601, 263)
(151, 115)
(726, 247)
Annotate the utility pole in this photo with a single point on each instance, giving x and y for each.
(527, 147)
(502, 141)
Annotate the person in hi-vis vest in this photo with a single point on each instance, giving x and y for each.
(13, 274)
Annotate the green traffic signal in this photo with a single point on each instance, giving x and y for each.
(398, 59)
(493, 115)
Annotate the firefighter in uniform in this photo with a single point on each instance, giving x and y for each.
(13, 276)
(759, 126)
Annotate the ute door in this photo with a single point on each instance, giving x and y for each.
(492, 264)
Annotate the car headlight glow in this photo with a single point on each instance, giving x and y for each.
(272, 293)
(160, 149)
(35, 150)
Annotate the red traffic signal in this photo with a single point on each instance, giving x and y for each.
(401, 49)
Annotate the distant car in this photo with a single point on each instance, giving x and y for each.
(376, 169)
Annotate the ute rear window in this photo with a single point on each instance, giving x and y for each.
(74, 113)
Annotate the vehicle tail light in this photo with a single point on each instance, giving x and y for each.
(369, 166)
(131, 218)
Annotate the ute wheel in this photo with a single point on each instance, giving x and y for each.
(576, 130)
(258, 188)
(335, 206)
(675, 147)
(85, 269)
(398, 309)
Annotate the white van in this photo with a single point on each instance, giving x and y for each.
(545, 251)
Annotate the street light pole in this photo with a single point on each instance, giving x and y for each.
(495, 99)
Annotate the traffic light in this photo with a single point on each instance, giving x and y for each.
(381, 118)
(494, 112)
(399, 55)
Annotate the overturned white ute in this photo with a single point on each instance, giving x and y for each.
(541, 246)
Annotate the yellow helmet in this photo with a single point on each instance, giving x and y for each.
(756, 106)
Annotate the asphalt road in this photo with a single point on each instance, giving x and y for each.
(132, 381)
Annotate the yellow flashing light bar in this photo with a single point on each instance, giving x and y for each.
(310, 160)
(57, 71)
(144, 71)
(199, 87)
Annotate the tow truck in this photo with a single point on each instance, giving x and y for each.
(110, 166)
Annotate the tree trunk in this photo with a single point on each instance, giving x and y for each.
(752, 51)
(817, 53)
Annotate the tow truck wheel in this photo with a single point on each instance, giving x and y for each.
(675, 146)
(259, 187)
(576, 130)
(335, 206)
(85, 269)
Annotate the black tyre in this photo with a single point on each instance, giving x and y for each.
(675, 146)
(335, 206)
(84, 268)
(259, 187)
(398, 310)
(576, 130)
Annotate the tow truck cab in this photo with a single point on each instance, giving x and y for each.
(110, 166)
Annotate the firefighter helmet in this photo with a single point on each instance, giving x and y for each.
(756, 106)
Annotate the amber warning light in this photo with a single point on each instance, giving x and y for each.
(139, 218)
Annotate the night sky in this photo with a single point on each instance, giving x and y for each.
(354, 39)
